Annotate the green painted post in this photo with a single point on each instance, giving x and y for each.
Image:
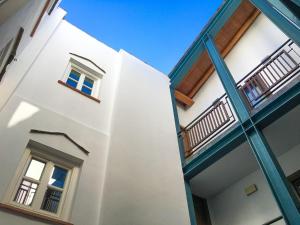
(281, 18)
(177, 125)
(188, 191)
(227, 80)
(275, 176)
(190, 203)
(259, 145)
(296, 2)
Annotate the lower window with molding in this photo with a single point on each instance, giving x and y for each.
(43, 184)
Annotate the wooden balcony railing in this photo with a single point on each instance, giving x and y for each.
(207, 125)
(271, 74)
(264, 80)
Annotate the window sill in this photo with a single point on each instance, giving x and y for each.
(78, 91)
(32, 214)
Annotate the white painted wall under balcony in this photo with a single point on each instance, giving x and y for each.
(232, 207)
(261, 39)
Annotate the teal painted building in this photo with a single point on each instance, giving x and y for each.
(237, 149)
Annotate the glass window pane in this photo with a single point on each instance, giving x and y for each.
(58, 177)
(51, 200)
(86, 90)
(35, 169)
(88, 82)
(72, 83)
(26, 193)
(74, 74)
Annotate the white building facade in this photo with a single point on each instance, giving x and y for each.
(87, 133)
(94, 136)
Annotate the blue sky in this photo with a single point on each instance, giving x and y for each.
(156, 31)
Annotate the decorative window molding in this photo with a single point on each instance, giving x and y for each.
(52, 6)
(43, 186)
(83, 76)
(4, 55)
(40, 17)
(85, 151)
(9, 52)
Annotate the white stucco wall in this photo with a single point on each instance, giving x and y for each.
(261, 39)
(25, 59)
(24, 17)
(51, 66)
(144, 181)
(133, 125)
(233, 207)
(33, 99)
(17, 119)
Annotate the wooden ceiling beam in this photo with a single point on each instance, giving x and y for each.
(225, 51)
(182, 98)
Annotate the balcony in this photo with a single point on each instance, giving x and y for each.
(259, 87)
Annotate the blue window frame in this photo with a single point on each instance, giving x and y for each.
(87, 85)
(73, 78)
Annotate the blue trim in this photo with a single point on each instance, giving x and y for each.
(285, 197)
(280, 106)
(248, 127)
(271, 112)
(177, 125)
(214, 152)
(281, 19)
(189, 197)
(297, 2)
(197, 48)
(227, 80)
(187, 64)
(288, 9)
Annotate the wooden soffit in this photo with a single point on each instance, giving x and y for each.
(226, 38)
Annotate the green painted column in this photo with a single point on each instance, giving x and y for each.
(188, 191)
(281, 16)
(176, 118)
(227, 80)
(283, 194)
(190, 203)
(264, 155)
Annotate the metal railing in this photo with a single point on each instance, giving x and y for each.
(264, 80)
(271, 74)
(207, 125)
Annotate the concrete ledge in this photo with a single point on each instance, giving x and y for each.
(32, 215)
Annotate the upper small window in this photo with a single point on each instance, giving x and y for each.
(73, 78)
(81, 82)
(83, 78)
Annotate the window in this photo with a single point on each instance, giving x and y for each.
(43, 184)
(83, 76)
(253, 93)
(255, 90)
(81, 81)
